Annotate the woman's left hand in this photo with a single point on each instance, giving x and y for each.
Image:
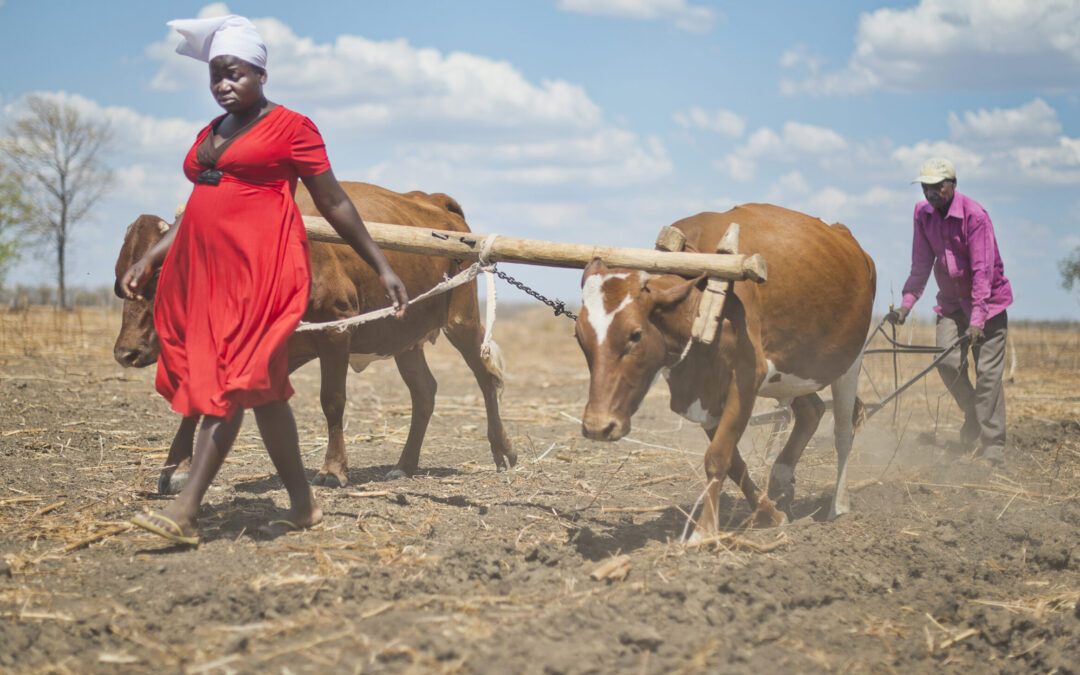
(399, 297)
(332, 202)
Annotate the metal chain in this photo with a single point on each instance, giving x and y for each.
(557, 305)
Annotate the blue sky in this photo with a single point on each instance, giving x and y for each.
(600, 121)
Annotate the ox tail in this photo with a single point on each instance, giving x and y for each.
(858, 415)
(492, 356)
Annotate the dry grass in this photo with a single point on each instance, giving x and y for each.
(1042, 373)
(48, 331)
(397, 525)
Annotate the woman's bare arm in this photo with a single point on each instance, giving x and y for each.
(338, 209)
(142, 270)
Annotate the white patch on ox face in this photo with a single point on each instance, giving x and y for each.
(785, 386)
(592, 298)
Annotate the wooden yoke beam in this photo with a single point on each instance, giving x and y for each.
(707, 321)
(466, 246)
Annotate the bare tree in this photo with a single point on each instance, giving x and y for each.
(54, 152)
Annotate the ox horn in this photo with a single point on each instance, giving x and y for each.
(595, 266)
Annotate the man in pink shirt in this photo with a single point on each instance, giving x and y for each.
(955, 238)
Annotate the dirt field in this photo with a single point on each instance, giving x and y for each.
(947, 563)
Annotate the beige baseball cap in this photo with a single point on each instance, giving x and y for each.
(936, 170)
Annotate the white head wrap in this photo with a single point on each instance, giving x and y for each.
(231, 35)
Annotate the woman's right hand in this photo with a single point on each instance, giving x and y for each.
(135, 279)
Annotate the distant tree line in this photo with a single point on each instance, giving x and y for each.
(20, 296)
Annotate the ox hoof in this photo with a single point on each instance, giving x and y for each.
(395, 474)
(698, 537)
(329, 480)
(507, 460)
(833, 515)
(171, 483)
(782, 488)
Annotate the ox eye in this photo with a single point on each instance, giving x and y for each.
(635, 337)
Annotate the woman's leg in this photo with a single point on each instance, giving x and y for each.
(212, 445)
(278, 429)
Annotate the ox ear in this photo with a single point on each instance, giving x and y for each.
(595, 266)
(665, 296)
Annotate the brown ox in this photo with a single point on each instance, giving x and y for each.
(342, 285)
(786, 339)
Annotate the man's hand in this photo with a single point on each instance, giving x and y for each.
(898, 315)
(975, 334)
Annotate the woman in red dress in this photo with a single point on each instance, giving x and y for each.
(235, 272)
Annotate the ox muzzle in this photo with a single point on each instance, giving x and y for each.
(137, 344)
(613, 400)
(603, 425)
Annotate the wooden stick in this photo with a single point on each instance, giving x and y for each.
(19, 500)
(660, 479)
(117, 529)
(466, 246)
(616, 568)
(633, 509)
(42, 511)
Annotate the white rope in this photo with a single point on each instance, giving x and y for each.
(485, 249)
(489, 315)
(489, 298)
(685, 351)
(462, 277)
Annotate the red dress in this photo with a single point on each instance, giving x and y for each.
(235, 281)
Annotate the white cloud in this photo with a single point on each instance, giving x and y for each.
(409, 100)
(832, 204)
(795, 142)
(606, 159)
(132, 133)
(963, 44)
(721, 121)
(800, 56)
(373, 85)
(685, 16)
(1035, 122)
(1000, 148)
(1022, 145)
(968, 163)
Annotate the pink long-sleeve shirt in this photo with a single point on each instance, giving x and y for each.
(962, 250)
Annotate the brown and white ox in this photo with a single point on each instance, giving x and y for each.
(786, 338)
(343, 285)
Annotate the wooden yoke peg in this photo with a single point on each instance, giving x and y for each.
(712, 299)
(670, 239)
